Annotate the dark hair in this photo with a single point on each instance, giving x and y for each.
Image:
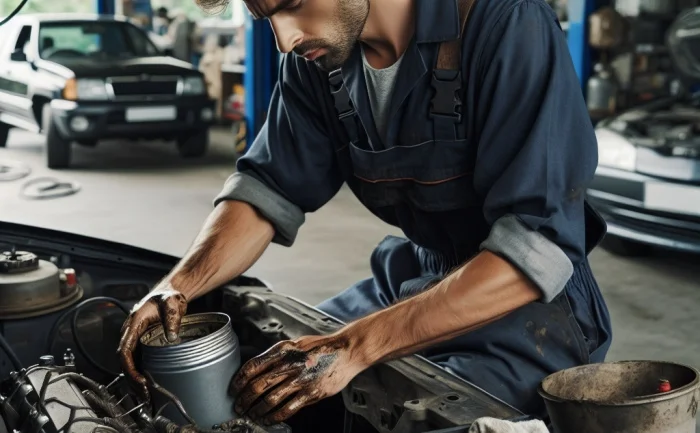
(212, 6)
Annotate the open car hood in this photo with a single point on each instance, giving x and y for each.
(407, 395)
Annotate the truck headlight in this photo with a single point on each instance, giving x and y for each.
(85, 89)
(193, 86)
(615, 151)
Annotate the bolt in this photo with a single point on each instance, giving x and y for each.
(69, 358)
(46, 360)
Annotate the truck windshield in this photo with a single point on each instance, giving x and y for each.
(93, 40)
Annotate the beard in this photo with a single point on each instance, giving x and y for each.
(348, 24)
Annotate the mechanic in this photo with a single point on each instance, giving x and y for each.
(465, 127)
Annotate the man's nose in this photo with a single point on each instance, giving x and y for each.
(287, 34)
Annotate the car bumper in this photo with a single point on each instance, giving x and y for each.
(99, 120)
(648, 210)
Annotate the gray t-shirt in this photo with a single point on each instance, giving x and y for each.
(380, 88)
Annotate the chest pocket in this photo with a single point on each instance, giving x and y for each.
(433, 176)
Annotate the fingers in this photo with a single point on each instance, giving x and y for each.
(256, 367)
(273, 400)
(293, 406)
(256, 388)
(133, 328)
(172, 309)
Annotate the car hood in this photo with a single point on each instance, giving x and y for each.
(161, 65)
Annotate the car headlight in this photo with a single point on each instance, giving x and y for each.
(193, 86)
(614, 150)
(86, 89)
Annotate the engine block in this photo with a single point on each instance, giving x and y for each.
(51, 398)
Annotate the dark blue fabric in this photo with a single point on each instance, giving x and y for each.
(507, 358)
(525, 147)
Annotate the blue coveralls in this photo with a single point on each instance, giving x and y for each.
(509, 176)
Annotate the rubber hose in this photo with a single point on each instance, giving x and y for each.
(16, 363)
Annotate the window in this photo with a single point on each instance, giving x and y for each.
(97, 40)
(23, 39)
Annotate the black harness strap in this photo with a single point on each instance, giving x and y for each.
(447, 82)
(446, 106)
(343, 106)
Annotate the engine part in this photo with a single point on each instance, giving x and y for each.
(50, 398)
(32, 287)
(197, 368)
(601, 96)
(607, 28)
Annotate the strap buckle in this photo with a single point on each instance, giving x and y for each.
(341, 97)
(446, 102)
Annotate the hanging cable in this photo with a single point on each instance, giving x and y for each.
(14, 12)
(10, 353)
(75, 310)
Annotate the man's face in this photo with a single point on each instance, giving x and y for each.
(323, 31)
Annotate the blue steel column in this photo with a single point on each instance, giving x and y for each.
(261, 71)
(579, 11)
(106, 7)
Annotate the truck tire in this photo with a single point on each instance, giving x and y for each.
(4, 132)
(58, 149)
(194, 145)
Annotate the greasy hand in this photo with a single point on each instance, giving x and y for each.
(293, 374)
(162, 304)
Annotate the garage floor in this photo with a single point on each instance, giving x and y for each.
(144, 194)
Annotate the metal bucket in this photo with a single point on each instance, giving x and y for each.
(197, 368)
(622, 397)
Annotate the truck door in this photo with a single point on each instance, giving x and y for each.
(15, 75)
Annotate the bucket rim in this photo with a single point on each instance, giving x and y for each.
(633, 401)
(216, 317)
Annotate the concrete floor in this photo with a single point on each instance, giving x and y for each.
(144, 194)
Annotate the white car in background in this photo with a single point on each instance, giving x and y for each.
(647, 186)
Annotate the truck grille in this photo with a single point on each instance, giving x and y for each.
(144, 88)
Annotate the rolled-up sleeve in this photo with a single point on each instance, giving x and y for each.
(291, 168)
(537, 149)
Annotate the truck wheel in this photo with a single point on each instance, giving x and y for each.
(4, 132)
(58, 149)
(624, 247)
(195, 145)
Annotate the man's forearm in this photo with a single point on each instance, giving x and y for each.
(232, 239)
(480, 292)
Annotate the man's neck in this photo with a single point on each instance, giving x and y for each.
(388, 31)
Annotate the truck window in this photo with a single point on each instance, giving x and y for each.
(23, 39)
(98, 40)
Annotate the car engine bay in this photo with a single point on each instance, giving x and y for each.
(670, 126)
(63, 300)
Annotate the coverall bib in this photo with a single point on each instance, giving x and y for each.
(507, 174)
